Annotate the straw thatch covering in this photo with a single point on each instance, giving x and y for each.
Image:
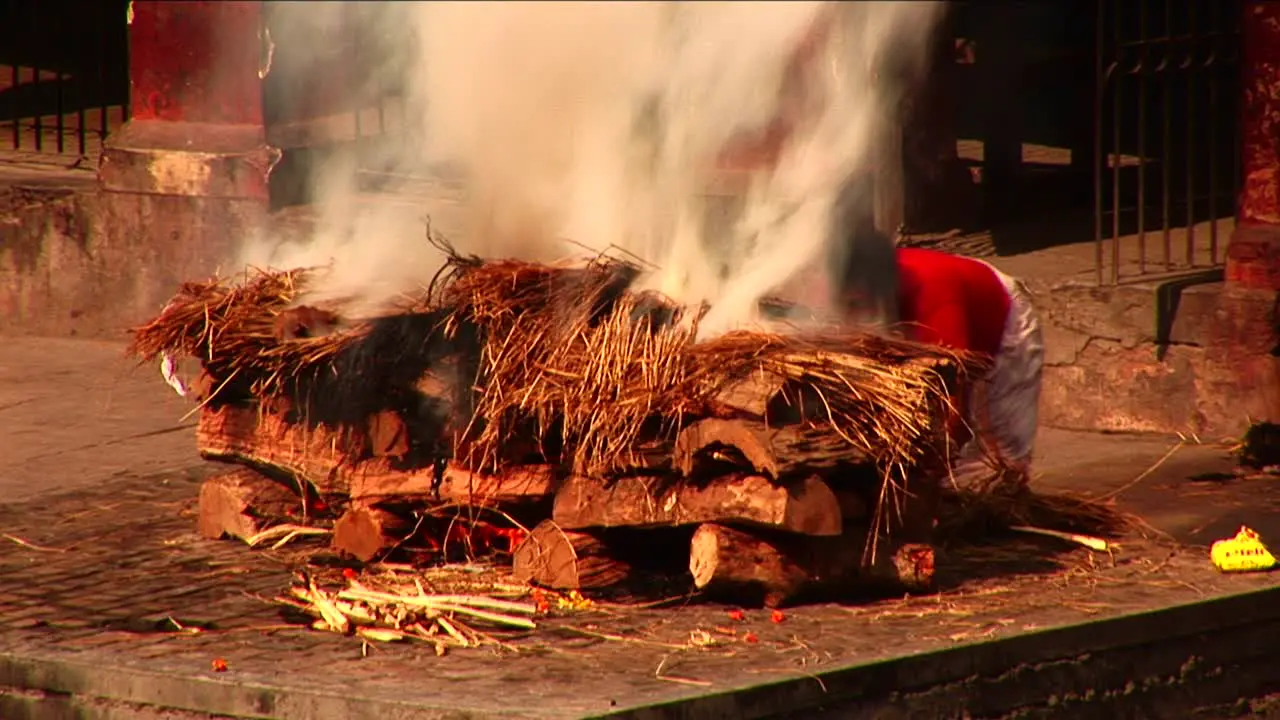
(568, 354)
(977, 514)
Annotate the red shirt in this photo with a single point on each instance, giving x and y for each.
(951, 300)
(954, 301)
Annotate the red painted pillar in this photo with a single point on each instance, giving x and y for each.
(1246, 334)
(183, 182)
(1253, 255)
(182, 72)
(196, 128)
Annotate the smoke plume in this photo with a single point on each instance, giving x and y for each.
(606, 125)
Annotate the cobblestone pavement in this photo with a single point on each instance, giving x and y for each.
(100, 565)
(76, 413)
(111, 572)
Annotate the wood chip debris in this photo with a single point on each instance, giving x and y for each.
(388, 609)
(284, 534)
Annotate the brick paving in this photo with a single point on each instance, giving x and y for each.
(112, 556)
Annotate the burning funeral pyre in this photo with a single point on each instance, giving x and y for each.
(556, 414)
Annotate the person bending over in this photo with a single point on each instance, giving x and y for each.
(964, 304)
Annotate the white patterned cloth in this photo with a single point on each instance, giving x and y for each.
(1005, 406)
(1013, 395)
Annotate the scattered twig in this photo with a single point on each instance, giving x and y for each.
(397, 611)
(284, 534)
(1115, 493)
(1093, 543)
(624, 639)
(31, 546)
(657, 673)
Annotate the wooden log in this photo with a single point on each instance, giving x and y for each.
(376, 480)
(805, 506)
(331, 461)
(522, 484)
(241, 503)
(248, 435)
(750, 395)
(777, 568)
(749, 440)
(561, 559)
(388, 436)
(777, 453)
(366, 532)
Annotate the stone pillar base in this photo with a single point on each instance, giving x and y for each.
(1247, 332)
(1243, 341)
(188, 160)
(1253, 257)
(177, 201)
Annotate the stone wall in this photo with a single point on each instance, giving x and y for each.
(72, 264)
(1110, 366)
(79, 261)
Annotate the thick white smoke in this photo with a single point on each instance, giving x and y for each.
(602, 124)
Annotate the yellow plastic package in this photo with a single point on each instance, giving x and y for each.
(1242, 553)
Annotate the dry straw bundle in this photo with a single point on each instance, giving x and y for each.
(229, 328)
(879, 395)
(220, 322)
(572, 356)
(572, 351)
(390, 606)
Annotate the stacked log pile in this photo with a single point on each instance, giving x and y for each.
(557, 398)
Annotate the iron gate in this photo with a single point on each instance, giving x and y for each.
(1166, 135)
(64, 74)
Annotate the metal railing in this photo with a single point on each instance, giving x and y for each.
(64, 79)
(1166, 132)
(330, 89)
(330, 79)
